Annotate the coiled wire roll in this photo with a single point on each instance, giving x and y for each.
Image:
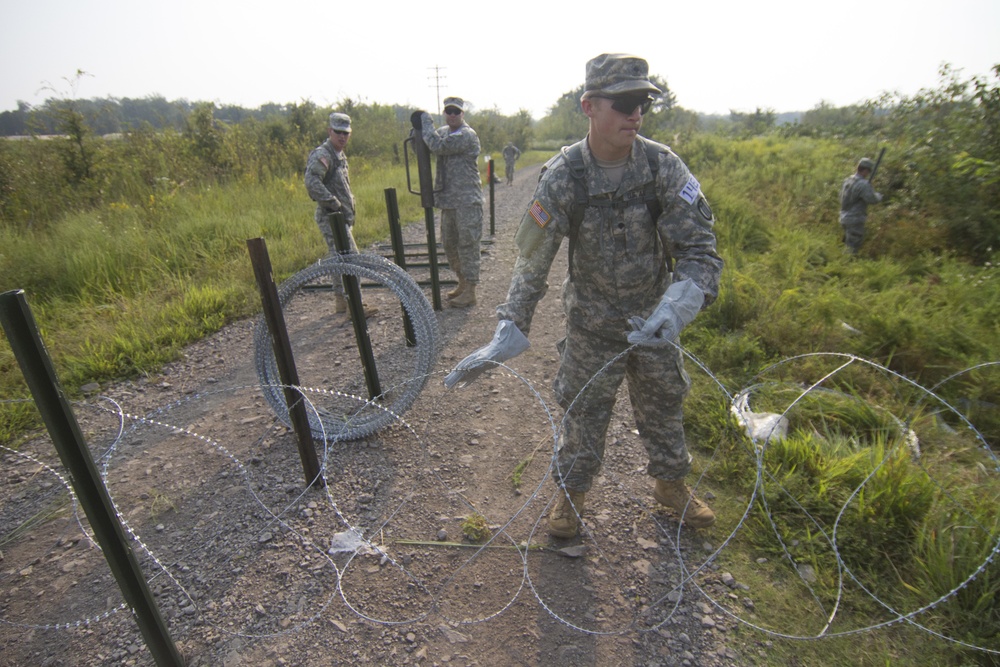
(368, 416)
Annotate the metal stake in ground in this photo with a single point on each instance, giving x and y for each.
(22, 333)
(426, 193)
(490, 176)
(399, 255)
(352, 289)
(283, 357)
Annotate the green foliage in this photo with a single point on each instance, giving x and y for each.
(565, 123)
(476, 529)
(844, 470)
(826, 120)
(744, 125)
(947, 144)
(120, 290)
(495, 130)
(204, 138)
(519, 470)
(77, 149)
(954, 558)
(375, 128)
(923, 312)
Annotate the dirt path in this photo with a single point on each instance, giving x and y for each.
(240, 557)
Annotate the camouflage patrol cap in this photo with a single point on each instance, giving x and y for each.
(866, 163)
(340, 122)
(454, 102)
(618, 74)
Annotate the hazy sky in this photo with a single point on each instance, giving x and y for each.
(716, 55)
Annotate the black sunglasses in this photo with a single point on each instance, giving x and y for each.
(627, 105)
(453, 111)
(343, 133)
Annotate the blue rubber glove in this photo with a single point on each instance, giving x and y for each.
(507, 343)
(680, 303)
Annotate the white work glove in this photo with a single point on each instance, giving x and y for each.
(507, 343)
(680, 303)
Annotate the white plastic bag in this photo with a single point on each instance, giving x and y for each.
(759, 426)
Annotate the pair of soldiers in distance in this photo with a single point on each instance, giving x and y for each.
(460, 200)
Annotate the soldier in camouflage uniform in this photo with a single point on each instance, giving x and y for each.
(328, 184)
(461, 200)
(855, 195)
(618, 276)
(510, 155)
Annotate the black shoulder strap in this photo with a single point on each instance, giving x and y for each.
(653, 151)
(574, 160)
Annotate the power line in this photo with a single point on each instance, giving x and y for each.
(437, 77)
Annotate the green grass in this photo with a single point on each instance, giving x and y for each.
(789, 290)
(118, 291)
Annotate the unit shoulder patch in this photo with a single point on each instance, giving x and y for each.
(704, 209)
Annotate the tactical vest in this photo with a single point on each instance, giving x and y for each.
(582, 199)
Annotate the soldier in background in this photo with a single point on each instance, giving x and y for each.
(624, 308)
(510, 155)
(456, 146)
(328, 184)
(856, 194)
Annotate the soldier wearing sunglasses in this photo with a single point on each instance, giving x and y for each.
(456, 146)
(642, 263)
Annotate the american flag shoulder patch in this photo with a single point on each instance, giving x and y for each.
(689, 192)
(538, 212)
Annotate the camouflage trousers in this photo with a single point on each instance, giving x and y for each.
(323, 222)
(854, 234)
(657, 385)
(461, 233)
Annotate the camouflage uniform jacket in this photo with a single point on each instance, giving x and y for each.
(511, 153)
(457, 152)
(327, 180)
(620, 257)
(855, 195)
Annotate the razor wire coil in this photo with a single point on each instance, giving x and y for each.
(322, 424)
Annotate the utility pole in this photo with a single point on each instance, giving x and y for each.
(437, 85)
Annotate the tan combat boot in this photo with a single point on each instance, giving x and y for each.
(340, 306)
(677, 496)
(466, 299)
(458, 289)
(563, 521)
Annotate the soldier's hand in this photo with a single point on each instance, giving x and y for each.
(507, 343)
(417, 116)
(331, 205)
(678, 306)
